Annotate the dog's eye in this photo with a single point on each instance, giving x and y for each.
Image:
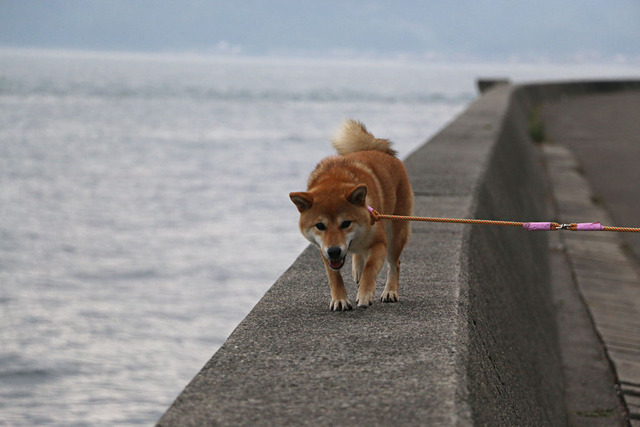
(345, 224)
(320, 226)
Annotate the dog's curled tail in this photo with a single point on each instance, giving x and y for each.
(353, 136)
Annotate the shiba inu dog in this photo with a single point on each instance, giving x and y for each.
(334, 213)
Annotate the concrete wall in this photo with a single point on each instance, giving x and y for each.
(512, 363)
(473, 338)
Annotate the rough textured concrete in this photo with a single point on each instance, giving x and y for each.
(473, 339)
(599, 182)
(514, 361)
(590, 384)
(603, 132)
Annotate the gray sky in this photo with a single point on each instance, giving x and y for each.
(490, 29)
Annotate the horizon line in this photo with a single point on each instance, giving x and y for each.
(337, 55)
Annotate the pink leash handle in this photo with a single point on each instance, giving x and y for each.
(589, 226)
(546, 226)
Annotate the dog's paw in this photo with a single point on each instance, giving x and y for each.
(389, 296)
(365, 300)
(340, 305)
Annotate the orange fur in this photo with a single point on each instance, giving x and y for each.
(334, 214)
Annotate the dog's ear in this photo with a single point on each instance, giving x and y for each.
(358, 195)
(303, 201)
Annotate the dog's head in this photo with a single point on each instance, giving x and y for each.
(334, 219)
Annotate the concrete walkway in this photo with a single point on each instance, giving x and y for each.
(603, 132)
(491, 328)
(593, 157)
(472, 340)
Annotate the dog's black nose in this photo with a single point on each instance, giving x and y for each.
(334, 252)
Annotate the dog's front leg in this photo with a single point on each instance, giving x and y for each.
(339, 300)
(372, 267)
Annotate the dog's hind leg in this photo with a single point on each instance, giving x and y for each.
(398, 239)
(357, 265)
(372, 266)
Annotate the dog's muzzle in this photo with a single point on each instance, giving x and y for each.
(335, 258)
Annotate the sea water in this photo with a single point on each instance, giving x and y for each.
(144, 206)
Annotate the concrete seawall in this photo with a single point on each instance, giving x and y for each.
(473, 339)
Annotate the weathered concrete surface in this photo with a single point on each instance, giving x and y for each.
(591, 395)
(599, 182)
(473, 339)
(591, 387)
(603, 132)
(292, 361)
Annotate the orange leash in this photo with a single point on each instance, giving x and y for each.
(529, 226)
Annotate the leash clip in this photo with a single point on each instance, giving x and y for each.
(564, 227)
